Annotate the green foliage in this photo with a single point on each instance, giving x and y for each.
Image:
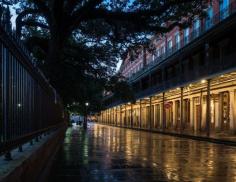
(78, 43)
(121, 89)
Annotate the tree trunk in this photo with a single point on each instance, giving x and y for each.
(55, 56)
(55, 49)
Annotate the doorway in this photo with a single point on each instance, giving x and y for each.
(225, 121)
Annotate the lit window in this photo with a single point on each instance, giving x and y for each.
(196, 27)
(209, 19)
(186, 35)
(158, 53)
(224, 9)
(177, 40)
(169, 45)
(163, 49)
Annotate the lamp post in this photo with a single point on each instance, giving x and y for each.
(85, 118)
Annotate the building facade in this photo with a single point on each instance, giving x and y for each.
(188, 84)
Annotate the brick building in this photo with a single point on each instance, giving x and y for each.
(188, 84)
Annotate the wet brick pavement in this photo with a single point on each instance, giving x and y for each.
(104, 153)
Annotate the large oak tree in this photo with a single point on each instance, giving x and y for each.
(87, 37)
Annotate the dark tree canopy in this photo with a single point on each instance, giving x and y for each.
(80, 41)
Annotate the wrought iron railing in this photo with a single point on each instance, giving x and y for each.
(30, 106)
(185, 41)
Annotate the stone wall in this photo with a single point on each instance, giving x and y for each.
(34, 164)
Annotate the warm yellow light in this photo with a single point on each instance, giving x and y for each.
(212, 111)
(177, 88)
(190, 85)
(203, 81)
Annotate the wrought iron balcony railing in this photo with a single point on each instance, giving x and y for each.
(186, 40)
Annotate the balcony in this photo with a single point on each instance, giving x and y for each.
(184, 42)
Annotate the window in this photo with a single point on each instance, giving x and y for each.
(224, 9)
(169, 44)
(186, 35)
(177, 40)
(158, 53)
(196, 27)
(163, 49)
(209, 18)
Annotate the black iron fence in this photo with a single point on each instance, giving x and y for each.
(29, 104)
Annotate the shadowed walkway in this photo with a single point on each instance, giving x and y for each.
(105, 153)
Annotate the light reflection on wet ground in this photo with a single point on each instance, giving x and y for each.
(105, 153)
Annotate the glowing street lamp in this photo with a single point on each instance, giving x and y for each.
(85, 121)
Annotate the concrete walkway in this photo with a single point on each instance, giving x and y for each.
(105, 153)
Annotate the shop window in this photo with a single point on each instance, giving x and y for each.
(212, 110)
(157, 115)
(225, 111)
(186, 108)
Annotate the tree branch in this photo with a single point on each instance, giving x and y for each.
(136, 17)
(20, 17)
(70, 6)
(33, 23)
(41, 4)
(81, 12)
